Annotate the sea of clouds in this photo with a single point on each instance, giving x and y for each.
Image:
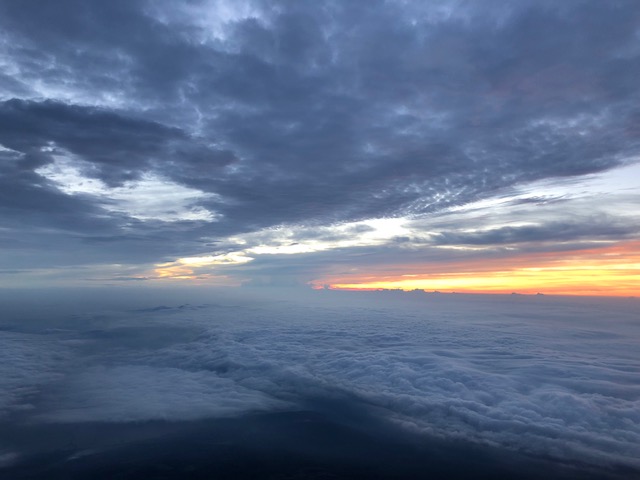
(557, 377)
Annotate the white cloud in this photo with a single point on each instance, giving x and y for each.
(301, 239)
(613, 184)
(226, 259)
(289, 240)
(149, 198)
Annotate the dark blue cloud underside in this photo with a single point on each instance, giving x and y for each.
(313, 112)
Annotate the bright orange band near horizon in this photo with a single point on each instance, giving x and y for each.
(607, 271)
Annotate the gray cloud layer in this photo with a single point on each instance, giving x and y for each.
(302, 112)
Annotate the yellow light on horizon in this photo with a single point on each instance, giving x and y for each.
(571, 282)
(612, 270)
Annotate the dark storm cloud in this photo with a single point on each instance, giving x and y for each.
(316, 112)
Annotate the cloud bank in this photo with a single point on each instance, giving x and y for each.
(545, 376)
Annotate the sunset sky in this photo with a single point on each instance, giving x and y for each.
(348, 239)
(466, 146)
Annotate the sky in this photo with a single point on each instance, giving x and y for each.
(488, 147)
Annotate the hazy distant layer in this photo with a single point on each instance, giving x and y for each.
(541, 375)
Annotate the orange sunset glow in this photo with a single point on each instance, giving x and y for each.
(610, 271)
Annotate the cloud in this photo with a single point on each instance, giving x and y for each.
(598, 230)
(28, 362)
(148, 198)
(134, 393)
(545, 376)
(298, 115)
(117, 146)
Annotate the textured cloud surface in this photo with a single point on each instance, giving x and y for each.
(134, 134)
(553, 377)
